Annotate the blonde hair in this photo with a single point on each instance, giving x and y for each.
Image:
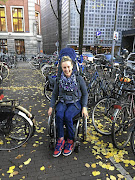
(66, 58)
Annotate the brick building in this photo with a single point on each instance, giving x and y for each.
(20, 27)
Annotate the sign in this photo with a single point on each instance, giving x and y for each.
(98, 33)
(57, 44)
(115, 35)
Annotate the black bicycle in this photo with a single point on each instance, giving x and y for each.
(123, 126)
(16, 125)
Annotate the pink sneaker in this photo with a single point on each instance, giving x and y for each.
(68, 147)
(59, 147)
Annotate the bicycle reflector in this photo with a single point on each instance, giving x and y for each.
(112, 118)
(1, 97)
(125, 79)
(1, 94)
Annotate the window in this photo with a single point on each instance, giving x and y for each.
(3, 45)
(19, 46)
(17, 14)
(2, 19)
(37, 22)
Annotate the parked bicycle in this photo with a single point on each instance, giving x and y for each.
(16, 124)
(123, 120)
(104, 108)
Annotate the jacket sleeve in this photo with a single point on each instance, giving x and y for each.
(83, 88)
(54, 95)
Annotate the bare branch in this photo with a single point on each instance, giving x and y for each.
(76, 7)
(53, 10)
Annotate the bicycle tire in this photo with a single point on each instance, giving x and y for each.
(120, 127)
(133, 141)
(47, 92)
(4, 70)
(101, 115)
(20, 131)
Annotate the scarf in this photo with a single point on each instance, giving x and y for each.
(68, 84)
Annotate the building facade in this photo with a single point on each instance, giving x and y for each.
(20, 27)
(128, 36)
(49, 26)
(99, 21)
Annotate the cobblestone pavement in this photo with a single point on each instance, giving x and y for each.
(97, 158)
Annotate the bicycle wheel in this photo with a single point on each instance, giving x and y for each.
(4, 70)
(101, 115)
(121, 132)
(47, 91)
(15, 128)
(133, 141)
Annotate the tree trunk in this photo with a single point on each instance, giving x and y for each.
(81, 26)
(59, 6)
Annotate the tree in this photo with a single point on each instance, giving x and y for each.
(81, 13)
(58, 17)
(81, 26)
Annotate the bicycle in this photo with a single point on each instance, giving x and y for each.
(123, 122)
(97, 87)
(16, 124)
(104, 108)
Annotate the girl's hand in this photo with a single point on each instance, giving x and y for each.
(84, 112)
(49, 111)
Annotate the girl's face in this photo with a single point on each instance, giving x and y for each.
(67, 68)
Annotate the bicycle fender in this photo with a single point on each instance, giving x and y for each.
(26, 117)
(25, 111)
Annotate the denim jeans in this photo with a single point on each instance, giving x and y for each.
(64, 115)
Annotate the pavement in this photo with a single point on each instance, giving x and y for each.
(97, 159)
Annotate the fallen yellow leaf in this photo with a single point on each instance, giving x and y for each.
(13, 173)
(111, 168)
(112, 177)
(11, 169)
(96, 173)
(93, 165)
(75, 158)
(19, 156)
(27, 162)
(87, 165)
(42, 168)
(120, 176)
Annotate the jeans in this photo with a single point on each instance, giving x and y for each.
(64, 115)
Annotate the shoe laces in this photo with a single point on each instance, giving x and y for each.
(69, 144)
(58, 145)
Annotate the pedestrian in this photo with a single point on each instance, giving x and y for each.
(72, 92)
